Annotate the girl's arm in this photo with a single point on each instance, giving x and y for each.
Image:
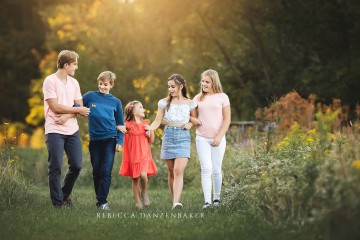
(156, 123)
(151, 135)
(226, 112)
(193, 115)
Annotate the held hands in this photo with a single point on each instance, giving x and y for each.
(188, 125)
(196, 121)
(83, 111)
(148, 128)
(118, 147)
(122, 129)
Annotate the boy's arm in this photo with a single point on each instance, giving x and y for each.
(59, 108)
(119, 118)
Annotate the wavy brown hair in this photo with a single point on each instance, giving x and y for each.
(179, 81)
(66, 56)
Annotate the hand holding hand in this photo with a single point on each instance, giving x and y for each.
(196, 121)
(118, 147)
(83, 111)
(122, 128)
(148, 128)
(148, 133)
(188, 125)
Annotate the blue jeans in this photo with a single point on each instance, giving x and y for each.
(102, 153)
(56, 144)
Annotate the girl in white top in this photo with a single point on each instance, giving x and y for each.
(213, 120)
(175, 110)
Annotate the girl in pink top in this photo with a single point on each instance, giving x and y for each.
(213, 121)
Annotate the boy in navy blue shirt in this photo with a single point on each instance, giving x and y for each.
(106, 114)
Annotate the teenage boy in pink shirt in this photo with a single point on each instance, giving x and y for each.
(214, 115)
(62, 102)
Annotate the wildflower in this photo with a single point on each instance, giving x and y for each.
(327, 152)
(331, 137)
(309, 140)
(312, 131)
(356, 164)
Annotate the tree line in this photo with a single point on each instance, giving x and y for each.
(262, 49)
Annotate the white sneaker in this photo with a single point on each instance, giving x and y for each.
(177, 206)
(104, 206)
(216, 202)
(207, 205)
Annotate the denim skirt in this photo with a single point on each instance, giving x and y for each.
(175, 143)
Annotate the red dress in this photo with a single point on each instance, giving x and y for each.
(136, 157)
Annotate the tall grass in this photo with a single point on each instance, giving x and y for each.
(13, 188)
(309, 179)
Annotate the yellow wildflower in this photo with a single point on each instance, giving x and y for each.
(312, 131)
(356, 164)
(309, 140)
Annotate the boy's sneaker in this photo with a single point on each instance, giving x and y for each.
(216, 202)
(104, 206)
(68, 203)
(207, 205)
(177, 206)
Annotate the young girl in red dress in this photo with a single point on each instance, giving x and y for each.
(137, 161)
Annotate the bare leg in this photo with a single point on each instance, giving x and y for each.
(136, 191)
(144, 184)
(170, 167)
(179, 167)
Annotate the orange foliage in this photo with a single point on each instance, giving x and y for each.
(293, 108)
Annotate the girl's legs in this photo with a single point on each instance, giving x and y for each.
(136, 191)
(144, 184)
(204, 151)
(170, 167)
(179, 167)
(217, 155)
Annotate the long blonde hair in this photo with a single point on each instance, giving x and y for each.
(215, 80)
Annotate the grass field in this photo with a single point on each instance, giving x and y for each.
(37, 219)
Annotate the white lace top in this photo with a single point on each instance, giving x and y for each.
(177, 113)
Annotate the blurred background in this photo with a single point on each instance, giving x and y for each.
(262, 49)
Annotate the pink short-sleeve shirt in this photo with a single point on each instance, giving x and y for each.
(66, 95)
(210, 113)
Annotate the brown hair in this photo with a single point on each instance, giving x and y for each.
(107, 75)
(129, 110)
(179, 81)
(215, 80)
(66, 56)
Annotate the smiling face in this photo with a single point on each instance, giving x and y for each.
(104, 86)
(70, 68)
(174, 89)
(139, 110)
(207, 85)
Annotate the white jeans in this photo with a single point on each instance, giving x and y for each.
(210, 160)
